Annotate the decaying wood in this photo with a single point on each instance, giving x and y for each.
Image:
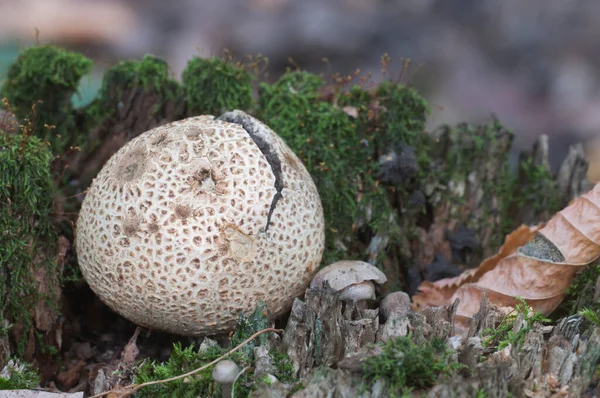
(572, 175)
(552, 359)
(486, 318)
(469, 195)
(321, 330)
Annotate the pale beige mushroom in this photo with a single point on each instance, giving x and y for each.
(353, 279)
(225, 372)
(193, 223)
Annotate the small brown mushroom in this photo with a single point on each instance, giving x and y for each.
(353, 279)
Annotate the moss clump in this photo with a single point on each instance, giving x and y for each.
(26, 227)
(580, 294)
(405, 365)
(47, 77)
(403, 114)
(183, 360)
(214, 86)
(150, 75)
(329, 144)
(342, 152)
(391, 118)
(16, 376)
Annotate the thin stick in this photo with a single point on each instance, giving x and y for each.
(133, 388)
(236, 379)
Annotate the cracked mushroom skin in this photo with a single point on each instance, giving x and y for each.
(194, 222)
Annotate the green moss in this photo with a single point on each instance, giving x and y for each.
(183, 360)
(284, 367)
(337, 151)
(405, 365)
(150, 75)
(28, 239)
(247, 326)
(17, 375)
(403, 115)
(214, 86)
(591, 315)
(481, 393)
(47, 77)
(580, 293)
(503, 335)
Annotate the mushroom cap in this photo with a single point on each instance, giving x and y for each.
(194, 222)
(225, 371)
(395, 303)
(344, 273)
(358, 292)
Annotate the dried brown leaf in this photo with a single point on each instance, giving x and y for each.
(536, 264)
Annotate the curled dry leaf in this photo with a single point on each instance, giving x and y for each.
(535, 263)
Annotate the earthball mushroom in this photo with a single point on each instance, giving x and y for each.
(194, 222)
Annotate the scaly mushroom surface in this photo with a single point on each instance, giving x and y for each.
(192, 223)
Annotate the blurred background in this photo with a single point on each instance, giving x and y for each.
(533, 64)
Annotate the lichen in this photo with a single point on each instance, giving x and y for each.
(47, 77)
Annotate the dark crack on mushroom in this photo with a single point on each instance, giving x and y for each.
(251, 127)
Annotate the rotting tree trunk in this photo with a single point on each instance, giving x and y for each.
(557, 359)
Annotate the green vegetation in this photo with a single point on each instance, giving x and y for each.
(590, 315)
(538, 188)
(27, 233)
(149, 76)
(481, 393)
(17, 375)
(214, 86)
(201, 384)
(334, 145)
(472, 157)
(183, 360)
(246, 327)
(505, 333)
(581, 292)
(405, 365)
(40, 86)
